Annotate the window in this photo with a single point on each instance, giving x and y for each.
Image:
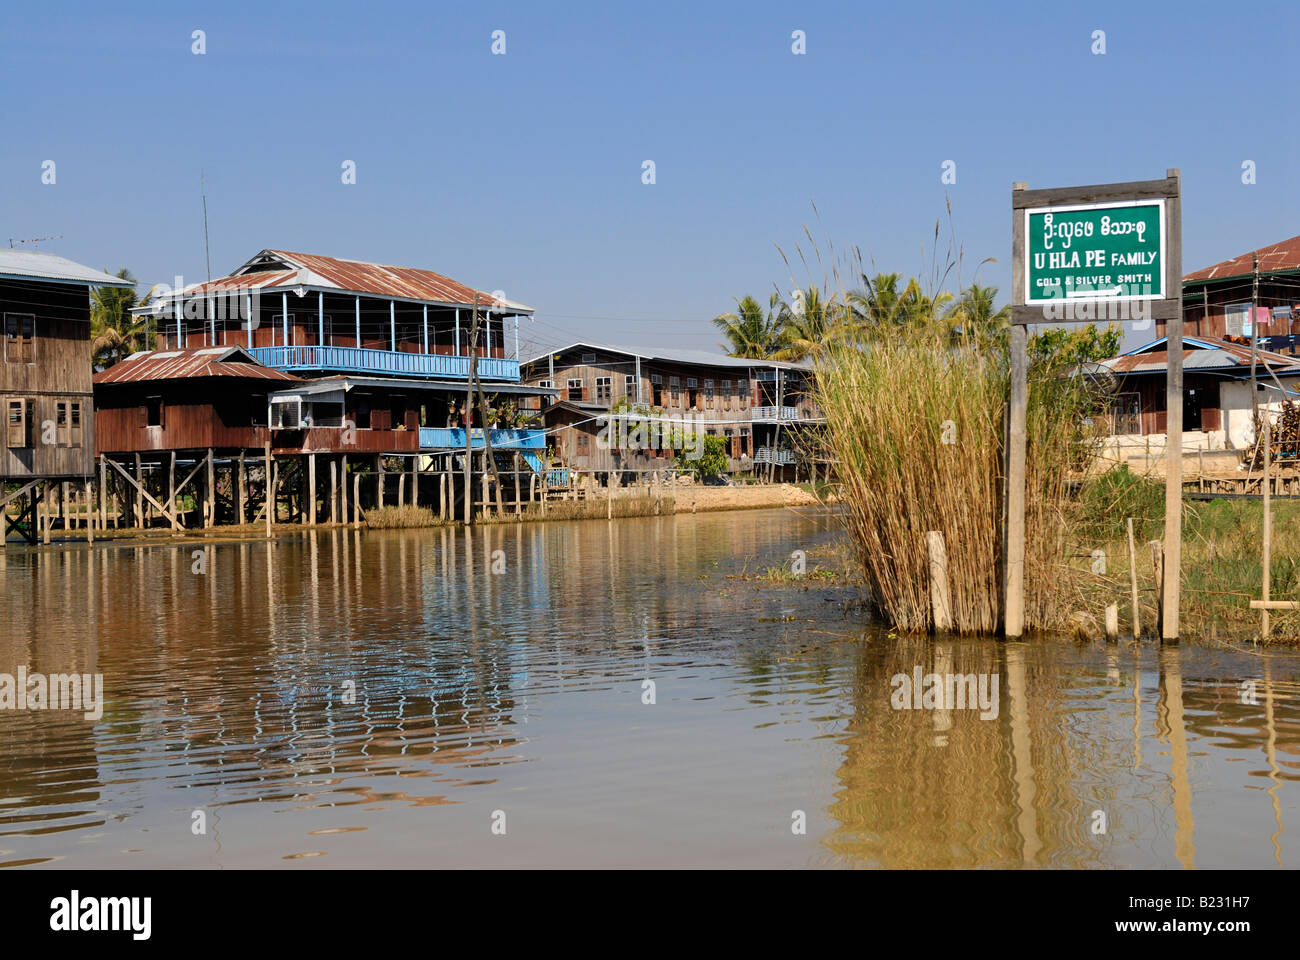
(575, 389)
(278, 328)
(630, 387)
(18, 422)
(153, 411)
(656, 379)
(588, 358)
(692, 382)
(1236, 319)
(708, 391)
(545, 383)
(20, 345)
(603, 389)
(675, 389)
(74, 439)
(62, 428)
(584, 443)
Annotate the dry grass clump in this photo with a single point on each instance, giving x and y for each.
(916, 426)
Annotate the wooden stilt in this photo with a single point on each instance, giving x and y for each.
(356, 500)
(270, 487)
(343, 489)
(210, 513)
(334, 491)
(90, 516)
(311, 489)
(171, 488)
(103, 493)
(139, 493)
(241, 490)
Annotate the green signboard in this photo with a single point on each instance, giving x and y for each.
(1095, 251)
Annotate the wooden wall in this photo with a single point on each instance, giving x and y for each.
(60, 370)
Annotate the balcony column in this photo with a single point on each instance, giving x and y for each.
(358, 321)
(392, 325)
(426, 328)
(320, 319)
(284, 316)
(178, 324)
(516, 336)
(458, 331)
(212, 320)
(248, 318)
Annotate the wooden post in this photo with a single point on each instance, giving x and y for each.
(139, 493)
(343, 489)
(940, 601)
(270, 490)
(442, 495)
(103, 493)
(1158, 568)
(1173, 289)
(90, 515)
(241, 489)
(356, 500)
(401, 488)
(1014, 589)
(1133, 581)
(49, 519)
(1266, 628)
(171, 488)
(1112, 622)
(210, 514)
(311, 489)
(334, 491)
(379, 496)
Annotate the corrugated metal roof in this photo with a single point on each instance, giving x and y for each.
(1279, 256)
(349, 276)
(675, 355)
(1201, 353)
(191, 364)
(34, 265)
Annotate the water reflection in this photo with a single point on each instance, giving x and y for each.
(352, 698)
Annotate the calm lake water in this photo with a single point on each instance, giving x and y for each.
(351, 699)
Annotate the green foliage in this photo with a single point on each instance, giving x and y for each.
(751, 332)
(712, 461)
(114, 332)
(1108, 500)
(1057, 350)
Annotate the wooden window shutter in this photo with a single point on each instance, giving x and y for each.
(1211, 418)
(16, 423)
(74, 419)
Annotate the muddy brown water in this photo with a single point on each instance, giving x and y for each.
(601, 693)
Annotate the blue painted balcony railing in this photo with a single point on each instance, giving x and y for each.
(365, 360)
(453, 438)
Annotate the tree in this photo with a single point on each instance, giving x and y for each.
(809, 326)
(878, 309)
(712, 460)
(750, 332)
(973, 320)
(114, 332)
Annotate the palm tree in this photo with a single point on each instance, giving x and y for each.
(114, 332)
(750, 332)
(973, 318)
(810, 326)
(880, 309)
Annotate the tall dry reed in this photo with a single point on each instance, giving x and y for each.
(916, 427)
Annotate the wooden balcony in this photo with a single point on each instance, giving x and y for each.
(317, 358)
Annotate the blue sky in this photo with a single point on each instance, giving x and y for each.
(523, 172)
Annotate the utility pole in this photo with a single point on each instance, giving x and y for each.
(469, 419)
(1265, 625)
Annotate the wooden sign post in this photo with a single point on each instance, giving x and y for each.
(1081, 254)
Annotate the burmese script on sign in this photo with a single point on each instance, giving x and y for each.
(1095, 252)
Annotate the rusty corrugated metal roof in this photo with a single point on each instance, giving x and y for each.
(1203, 353)
(1279, 256)
(349, 276)
(191, 364)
